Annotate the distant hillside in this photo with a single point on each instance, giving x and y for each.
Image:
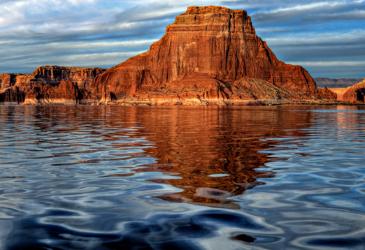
(336, 83)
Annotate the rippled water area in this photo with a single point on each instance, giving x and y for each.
(104, 177)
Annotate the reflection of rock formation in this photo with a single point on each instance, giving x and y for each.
(215, 153)
(348, 118)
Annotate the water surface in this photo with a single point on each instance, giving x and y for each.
(87, 177)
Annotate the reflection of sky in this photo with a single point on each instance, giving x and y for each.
(327, 37)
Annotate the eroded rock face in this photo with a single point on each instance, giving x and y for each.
(8, 91)
(327, 94)
(50, 84)
(214, 42)
(7, 80)
(53, 75)
(355, 94)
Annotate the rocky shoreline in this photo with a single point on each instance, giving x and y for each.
(177, 102)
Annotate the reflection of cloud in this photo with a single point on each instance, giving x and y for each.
(34, 32)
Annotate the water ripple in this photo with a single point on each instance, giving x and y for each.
(90, 177)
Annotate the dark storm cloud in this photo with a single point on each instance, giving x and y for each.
(327, 37)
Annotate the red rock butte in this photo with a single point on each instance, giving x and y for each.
(208, 55)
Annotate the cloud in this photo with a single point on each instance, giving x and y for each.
(324, 39)
(103, 33)
(313, 13)
(330, 63)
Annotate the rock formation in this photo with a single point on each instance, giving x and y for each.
(355, 94)
(327, 94)
(9, 92)
(49, 84)
(210, 53)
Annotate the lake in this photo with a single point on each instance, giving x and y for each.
(111, 177)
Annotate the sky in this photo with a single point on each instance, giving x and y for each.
(326, 37)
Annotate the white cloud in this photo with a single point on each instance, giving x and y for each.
(309, 6)
(330, 63)
(96, 44)
(318, 38)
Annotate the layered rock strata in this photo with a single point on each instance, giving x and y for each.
(327, 94)
(208, 53)
(355, 94)
(50, 84)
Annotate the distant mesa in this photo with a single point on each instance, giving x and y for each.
(336, 83)
(209, 55)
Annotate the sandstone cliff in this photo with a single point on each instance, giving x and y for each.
(8, 91)
(327, 94)
(210, 53)
(355, 94)
(49, 84)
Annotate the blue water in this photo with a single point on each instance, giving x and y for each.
(104, 177)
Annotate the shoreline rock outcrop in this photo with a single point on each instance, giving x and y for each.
(50, 84)
(355, 93)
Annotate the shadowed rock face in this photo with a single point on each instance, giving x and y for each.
(8, 91)
(82, 77)
(49, 84)
(7, 80)
(355, 94)
(212, 49)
